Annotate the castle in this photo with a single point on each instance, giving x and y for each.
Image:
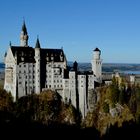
(31, 70)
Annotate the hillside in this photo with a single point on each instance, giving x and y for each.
(110, 67)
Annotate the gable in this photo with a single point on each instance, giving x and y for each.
(9, 58)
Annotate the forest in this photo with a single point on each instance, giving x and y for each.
(117, 114)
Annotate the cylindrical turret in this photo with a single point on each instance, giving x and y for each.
(37, 67)
(96, 53)
(97, 64)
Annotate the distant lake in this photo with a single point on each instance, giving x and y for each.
(130, 72)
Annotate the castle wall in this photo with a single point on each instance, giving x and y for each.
(82, 94)
(10, 74)
(66, 92)
(54, 75)
(72, 87)
(25, 78)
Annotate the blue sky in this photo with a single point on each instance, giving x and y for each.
(77, 25)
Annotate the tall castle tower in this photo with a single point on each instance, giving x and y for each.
(37, 67)
(24, 36)
(97, 64)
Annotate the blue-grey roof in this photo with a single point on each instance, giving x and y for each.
(96, 49)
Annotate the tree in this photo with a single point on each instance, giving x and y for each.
(137, 92)
(113, 94)
(122, 96)
(6, 101)
(106, 107)
(133, 103)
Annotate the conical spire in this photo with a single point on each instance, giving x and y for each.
(24, 29)
(37, 43)
(24, 36)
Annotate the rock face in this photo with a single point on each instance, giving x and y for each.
(92, 100)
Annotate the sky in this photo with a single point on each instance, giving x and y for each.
(79, 26)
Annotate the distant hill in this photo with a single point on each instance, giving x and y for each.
(107, 67)
(111, 67)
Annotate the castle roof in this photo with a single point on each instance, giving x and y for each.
(56, 54)
(96, 49)
(23, 54)
(27, 54)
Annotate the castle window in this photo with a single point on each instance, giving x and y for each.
(47, 58)
(24, 65)
(50, 86)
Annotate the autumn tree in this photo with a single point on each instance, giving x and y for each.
(112, 94)
(6, 100)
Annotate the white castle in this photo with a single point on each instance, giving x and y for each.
(31, 70)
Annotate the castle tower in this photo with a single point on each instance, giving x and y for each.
(37, 67)
(97, 64)
(24, 36)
